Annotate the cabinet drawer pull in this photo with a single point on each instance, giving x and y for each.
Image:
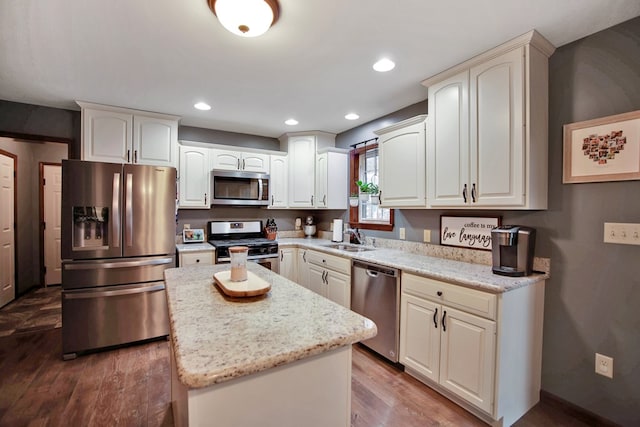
(312, 200)
(444, 325)
(128, 156)
(439, 293)
(272, 199)
(135, 156)
(435, 319)
(464, 193)
(473, 192)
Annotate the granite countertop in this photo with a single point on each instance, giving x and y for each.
(216, 339)
(194, 247)
(467, 274)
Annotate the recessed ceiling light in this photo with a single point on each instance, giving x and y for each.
(385, 64)
(291, 122)
(202, 106)
(352, 116)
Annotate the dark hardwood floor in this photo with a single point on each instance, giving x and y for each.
(130, 386)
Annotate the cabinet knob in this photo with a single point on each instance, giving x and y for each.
(439, 293)
(197, 261)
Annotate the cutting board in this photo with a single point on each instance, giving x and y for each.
(251, 287)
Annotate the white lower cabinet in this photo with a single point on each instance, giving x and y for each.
(480, 349)
(303, 268)
(197, 258)
(330, 276)
(288, 263)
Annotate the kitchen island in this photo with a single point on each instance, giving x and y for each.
(282, 359)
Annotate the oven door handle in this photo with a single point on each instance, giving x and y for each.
(250, 258)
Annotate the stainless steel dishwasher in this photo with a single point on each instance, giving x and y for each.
(375, 294)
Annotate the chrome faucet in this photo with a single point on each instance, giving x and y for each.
(356, 234)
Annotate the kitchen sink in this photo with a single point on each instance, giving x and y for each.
(350, 248)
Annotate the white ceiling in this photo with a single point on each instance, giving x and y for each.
(314, 64)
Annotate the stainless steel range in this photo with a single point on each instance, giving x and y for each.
(225, 234)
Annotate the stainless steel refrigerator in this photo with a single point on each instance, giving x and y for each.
(118, 237)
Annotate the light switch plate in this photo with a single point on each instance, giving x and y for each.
(401, 231)
(622, 233)
(426, 236)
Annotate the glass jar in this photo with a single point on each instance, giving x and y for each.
(238, 263)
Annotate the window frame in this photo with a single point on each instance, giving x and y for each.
(354, 174)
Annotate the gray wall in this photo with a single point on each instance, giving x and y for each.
(592, 298)
(221, 137)
(27, 236)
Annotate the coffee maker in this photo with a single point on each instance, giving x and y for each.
(512, 250)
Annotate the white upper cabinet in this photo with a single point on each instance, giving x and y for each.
(155, 141)
(239, 161)
(402, 164)
(302, 151)
(278, 181)
(332, 170)
(119, 135)
(487, 130)
(448, 141)
(302, 168)
(496, 136)
(194, 178)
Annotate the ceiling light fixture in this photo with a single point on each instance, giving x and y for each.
(291, 122)
(352, 116)
(383, 65)
(246, 18)
(202, 106)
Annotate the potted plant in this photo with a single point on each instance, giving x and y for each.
(354, 200)
(367, 189)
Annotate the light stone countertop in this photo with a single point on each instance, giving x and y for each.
(194, 247)
(478, 276)
(216, 339)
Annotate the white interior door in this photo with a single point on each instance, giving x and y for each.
(52, 190)
(7, 237)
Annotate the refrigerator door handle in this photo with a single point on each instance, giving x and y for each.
(102, 293)
(115, 208)
(116, 264)
(128, 222)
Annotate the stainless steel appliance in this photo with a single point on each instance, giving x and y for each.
(225, 234)
(239, 188)
(118, 237)
(375, 293)
(512, 250)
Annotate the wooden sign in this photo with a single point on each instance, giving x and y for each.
(467, 232)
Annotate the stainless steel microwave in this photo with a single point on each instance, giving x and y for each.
(239, 188)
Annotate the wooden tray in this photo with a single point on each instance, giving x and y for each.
(251, 287)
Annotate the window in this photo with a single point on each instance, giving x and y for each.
(364, 165)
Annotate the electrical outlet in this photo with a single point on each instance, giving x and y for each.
(604, 365)
(622, 233)
(402, 233)
(426, 236)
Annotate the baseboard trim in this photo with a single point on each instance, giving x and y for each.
(576, 411)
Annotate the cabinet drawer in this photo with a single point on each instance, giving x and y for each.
(469, 300)
(191, 258)
(336, 263)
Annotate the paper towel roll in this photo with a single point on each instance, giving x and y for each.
(337, 231)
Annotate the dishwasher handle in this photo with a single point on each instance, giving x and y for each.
(374, 270)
